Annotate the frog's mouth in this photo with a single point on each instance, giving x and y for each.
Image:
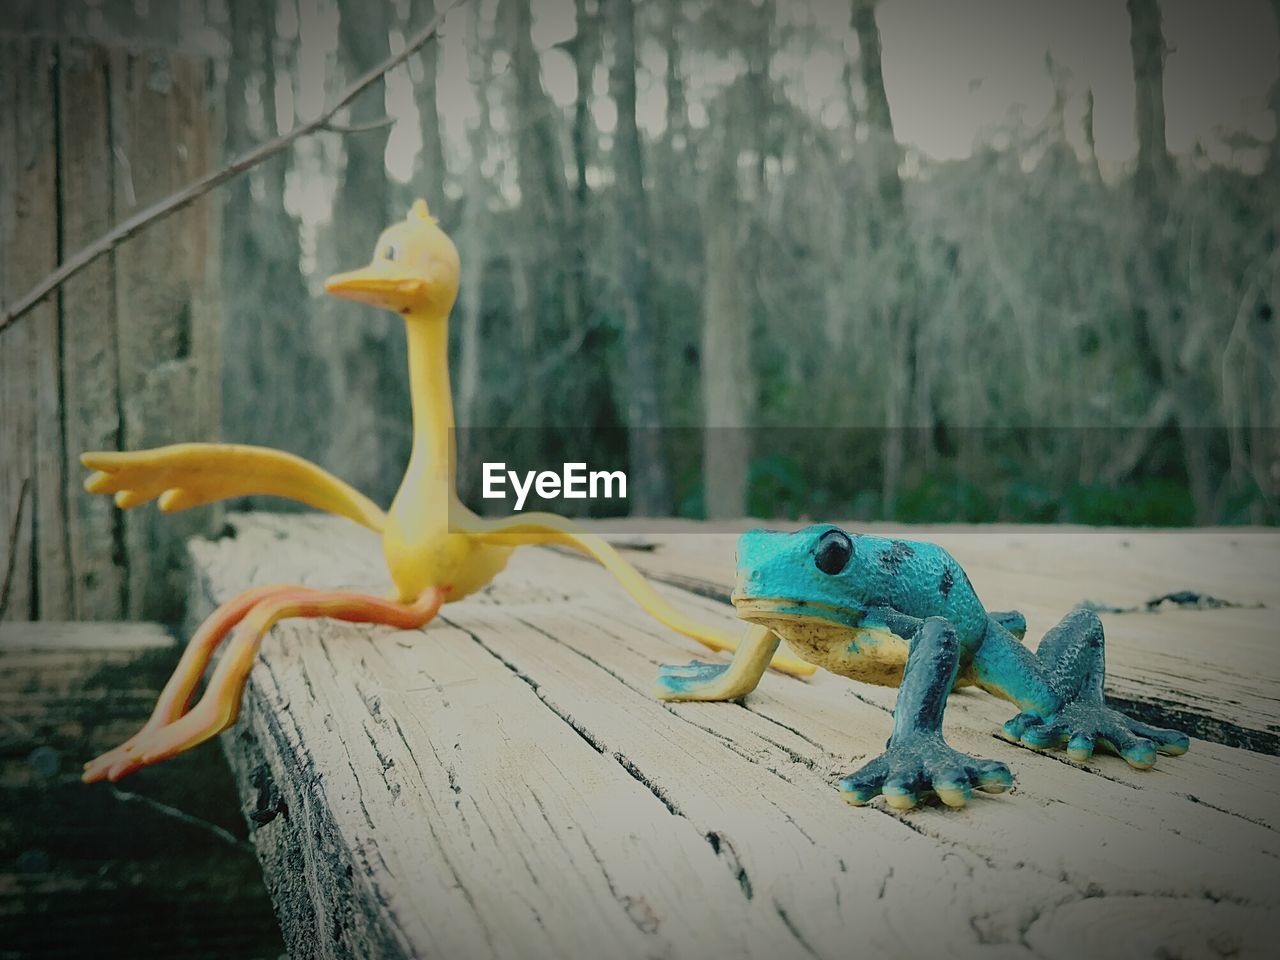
(773, 610)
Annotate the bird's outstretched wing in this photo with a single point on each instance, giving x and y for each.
(188, 475)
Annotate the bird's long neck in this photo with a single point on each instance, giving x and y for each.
(432, 459)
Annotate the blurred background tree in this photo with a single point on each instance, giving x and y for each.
(663, 225)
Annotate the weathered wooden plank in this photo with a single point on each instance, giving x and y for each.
(158, 868)
(33, 356)
(1213, 672)
(29, 221)
(89, 137)
(49, 635)
(161, 141)
(1107, 832)
(38, 255)
(15, 393)
(439, 808)
(201, 265)
(90, 364)
(566, 686)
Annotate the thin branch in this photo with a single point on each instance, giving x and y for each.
(378, 124)
(226, 836)
(176, 201)
(13, 546)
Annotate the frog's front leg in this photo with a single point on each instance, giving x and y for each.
(917, 760)
(1071, 660)
(720, 681)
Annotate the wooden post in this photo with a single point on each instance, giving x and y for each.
(28, 354)
(125, 355)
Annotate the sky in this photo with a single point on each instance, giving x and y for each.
(953, 72)
(1222, 62)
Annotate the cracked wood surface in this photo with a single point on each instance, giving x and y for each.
(1214, 673)
(504, 784)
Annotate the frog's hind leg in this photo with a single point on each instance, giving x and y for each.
(1011, 620)
(719, 681)
(173, 729)
(1073, 658)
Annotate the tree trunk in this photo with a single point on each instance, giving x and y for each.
(430, 170)
(889, 244)
(1273, 102)
(586, 53)
(1090, 137)
(366, 351)
(585, 50)
(1158, 289)
(546, 250)
(677, 112)
(590, 379)
(882, 150)
(728, 380)
(472, 249)
(649, 473)
(1146, 41)
(758, 51)
(272, 381)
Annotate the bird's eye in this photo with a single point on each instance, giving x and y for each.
(389, 252)
(833, 553)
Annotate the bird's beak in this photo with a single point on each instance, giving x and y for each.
(376, 285)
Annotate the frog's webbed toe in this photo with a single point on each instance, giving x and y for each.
(1172, 743)
(1073, 659)
(1085, 725)
(917, 761)
(908, 773)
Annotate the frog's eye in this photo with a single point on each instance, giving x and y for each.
(833, 553)
(389, 252)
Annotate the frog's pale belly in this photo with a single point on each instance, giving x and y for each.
(862, 653)
(870, 654)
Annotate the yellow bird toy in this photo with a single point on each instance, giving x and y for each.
(436, 549)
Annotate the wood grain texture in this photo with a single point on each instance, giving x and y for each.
(90, 361)
(27, 106)
(169, 364)
(503, 783)
(126, 354)
(51, 635)
(1214, 672)
(38, 253)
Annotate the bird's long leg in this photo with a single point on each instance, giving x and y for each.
(220, 704)
(186, 676)
(547, 528)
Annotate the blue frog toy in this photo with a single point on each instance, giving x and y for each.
(904, 614)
